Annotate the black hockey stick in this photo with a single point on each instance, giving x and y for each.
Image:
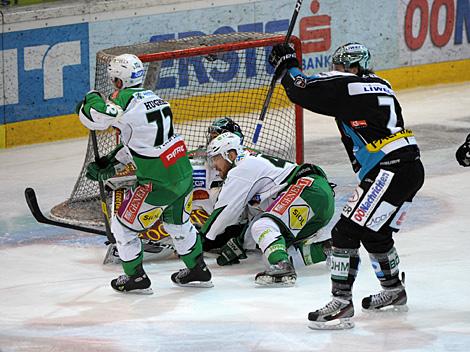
(32, 201)
(273, 81)
(104, 206)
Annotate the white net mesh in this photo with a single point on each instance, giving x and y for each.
(203, 78)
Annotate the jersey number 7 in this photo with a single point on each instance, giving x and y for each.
(164, 120)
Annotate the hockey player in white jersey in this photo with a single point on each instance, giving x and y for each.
(293, 202)
(164, 184)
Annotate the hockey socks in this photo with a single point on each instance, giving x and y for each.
(190, 259)
(131, 267)
(276, 252)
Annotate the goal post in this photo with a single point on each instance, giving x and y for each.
(203, 78)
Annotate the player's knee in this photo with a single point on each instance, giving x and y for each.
(184, 236)
(345, 235)
(265, 231)
(121, 233)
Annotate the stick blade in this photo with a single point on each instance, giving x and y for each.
(32, 202)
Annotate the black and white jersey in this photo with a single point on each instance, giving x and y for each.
(366, 110)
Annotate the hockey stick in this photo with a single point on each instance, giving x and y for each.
(32, 201)
(104, 206)
(273, 81)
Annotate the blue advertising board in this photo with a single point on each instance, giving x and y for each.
(47, 71)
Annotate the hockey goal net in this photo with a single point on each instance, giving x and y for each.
(203, 78)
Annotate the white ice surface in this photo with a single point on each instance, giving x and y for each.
(55, 294)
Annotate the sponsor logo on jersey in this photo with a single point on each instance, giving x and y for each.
(381, 216)
(137, 199)
(199, 216)
(199, 183)
(189, 203)
(352, 202)
(358, 88)
(298, 216)
(199, 178)
(148, 218)
(400, 216)
(291, 195)
(175, 152)
(118, 198)
(300, 81)
(372, 197)
(358, 123)
(375, 146)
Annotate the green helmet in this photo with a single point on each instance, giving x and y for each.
(222, 125)
(352, 53)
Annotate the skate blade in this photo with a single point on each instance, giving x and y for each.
(197, 284)
(337, 324)
(267, 281)
(402, 308)
(144, 291)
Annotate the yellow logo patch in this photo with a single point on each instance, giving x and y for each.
(149, 217)
(188, 207)
(298, 216)
(375, 146)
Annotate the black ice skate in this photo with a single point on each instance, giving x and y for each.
(389, 299)
(137, 284)
(279, 274)
(199, 276)
(335, 315)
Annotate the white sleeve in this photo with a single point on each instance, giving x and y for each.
(98, 120)
(229, 206)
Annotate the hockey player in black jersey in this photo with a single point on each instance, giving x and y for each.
(386, 159)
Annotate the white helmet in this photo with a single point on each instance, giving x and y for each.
(222, 144)
(128, 68)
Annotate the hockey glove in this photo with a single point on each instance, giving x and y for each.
(110, 158)
(96, 173)
(282, 58)
(104, 167)
(231, 252)
(463, 153)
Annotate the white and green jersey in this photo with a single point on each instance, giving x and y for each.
(147, 125)
(256, 179)
(146, 129)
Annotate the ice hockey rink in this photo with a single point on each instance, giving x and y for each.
(55, 293)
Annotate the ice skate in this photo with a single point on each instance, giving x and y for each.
(335, 315)
(386, 300)
(279, 274)
(392, 299)
(199, 276)
(136, 284)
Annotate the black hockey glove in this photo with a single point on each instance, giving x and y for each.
(282, 57)
(463, 153)
(231, 252)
